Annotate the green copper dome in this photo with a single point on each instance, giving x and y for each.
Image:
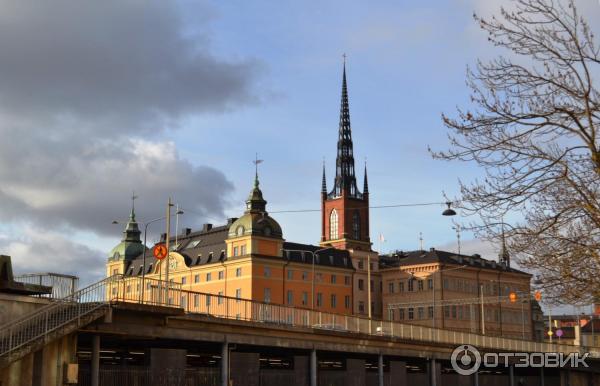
(255, 221)
(131, 245)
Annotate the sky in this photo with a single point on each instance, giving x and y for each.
(100, 99)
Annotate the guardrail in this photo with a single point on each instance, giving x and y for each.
(62, 285)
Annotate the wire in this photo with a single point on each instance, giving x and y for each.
(370, 207)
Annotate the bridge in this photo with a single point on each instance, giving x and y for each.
(129, 330)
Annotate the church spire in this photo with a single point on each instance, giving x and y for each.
(345, 180)
(366, 183)
(324, 181)
(504, 256)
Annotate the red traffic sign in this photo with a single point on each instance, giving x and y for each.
(159, 251)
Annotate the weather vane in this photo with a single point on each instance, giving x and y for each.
(256, 162)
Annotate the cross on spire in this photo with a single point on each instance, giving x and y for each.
(133, 198)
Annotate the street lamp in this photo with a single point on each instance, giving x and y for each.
(312, 295)
(449, 211)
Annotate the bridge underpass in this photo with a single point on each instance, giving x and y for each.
(142, 342)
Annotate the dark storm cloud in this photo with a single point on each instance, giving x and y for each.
(123, 65)
(88, 92)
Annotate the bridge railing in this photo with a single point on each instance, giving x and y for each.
(221, 306)
(62, 285)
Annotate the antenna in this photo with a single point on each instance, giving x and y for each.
(457, 228)
(421, 240)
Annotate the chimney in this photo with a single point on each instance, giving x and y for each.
(188, 231)
(231, 220)
(206, 227)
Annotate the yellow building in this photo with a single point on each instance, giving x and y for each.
(246, 259)
(451, 291)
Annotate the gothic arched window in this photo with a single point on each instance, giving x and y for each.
(356, 226)
(333, 225)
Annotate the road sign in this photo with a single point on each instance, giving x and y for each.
(550, 333)
(559, 332)
(513, 297)
(159, 251)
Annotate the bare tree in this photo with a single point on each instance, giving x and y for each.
(534, 132)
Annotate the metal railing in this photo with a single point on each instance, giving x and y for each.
(79, 306)
(76, 308)
(62, 285)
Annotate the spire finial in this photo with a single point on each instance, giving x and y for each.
(256, 162)
(133, 198)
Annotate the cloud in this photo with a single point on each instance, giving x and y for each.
(89, 93)
(39, 250)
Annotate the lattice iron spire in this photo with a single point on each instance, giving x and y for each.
(366, 182)
(345, 180)
(324, 181)
(504, 256)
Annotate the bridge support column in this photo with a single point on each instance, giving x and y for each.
(313, 368)
(95, 365)
(476, 379)
(511, 375)
(380, 370)
(435, 372)
(541, 376)
(398, 375)
(225, 364)
(245, 368)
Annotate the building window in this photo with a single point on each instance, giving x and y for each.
(290, 297)
(356, 226)
(220, 298)
(290, 274)
(401, 314)
(243, 250)
(333, 225)
(235, 251)
(347, 280)
(196, 278)
(361, 264)
(347, 301)
(421, 312)
(304, 275)
(319, 299)
(183, 280)
(401, 286)
(361, 284)
(420, 285)
(361, 307)
(391, 314)
(238, 293)
(430, 284)
(447, 311)
(453, 312)
(333, 279)
(238, 272)
(391, 287)
(221, 275)
(430, 312)
(333, 301)
(304, 298)
(267, 271)
(208, 276)
(411, 285)
(267, 295)
(372, 286)
(411, 313)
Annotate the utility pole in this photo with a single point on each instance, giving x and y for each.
(482, 311)
(169, 205)
(369, 288)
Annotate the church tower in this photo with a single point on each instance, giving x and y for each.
(345, 210)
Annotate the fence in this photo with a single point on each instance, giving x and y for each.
(62, 285)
